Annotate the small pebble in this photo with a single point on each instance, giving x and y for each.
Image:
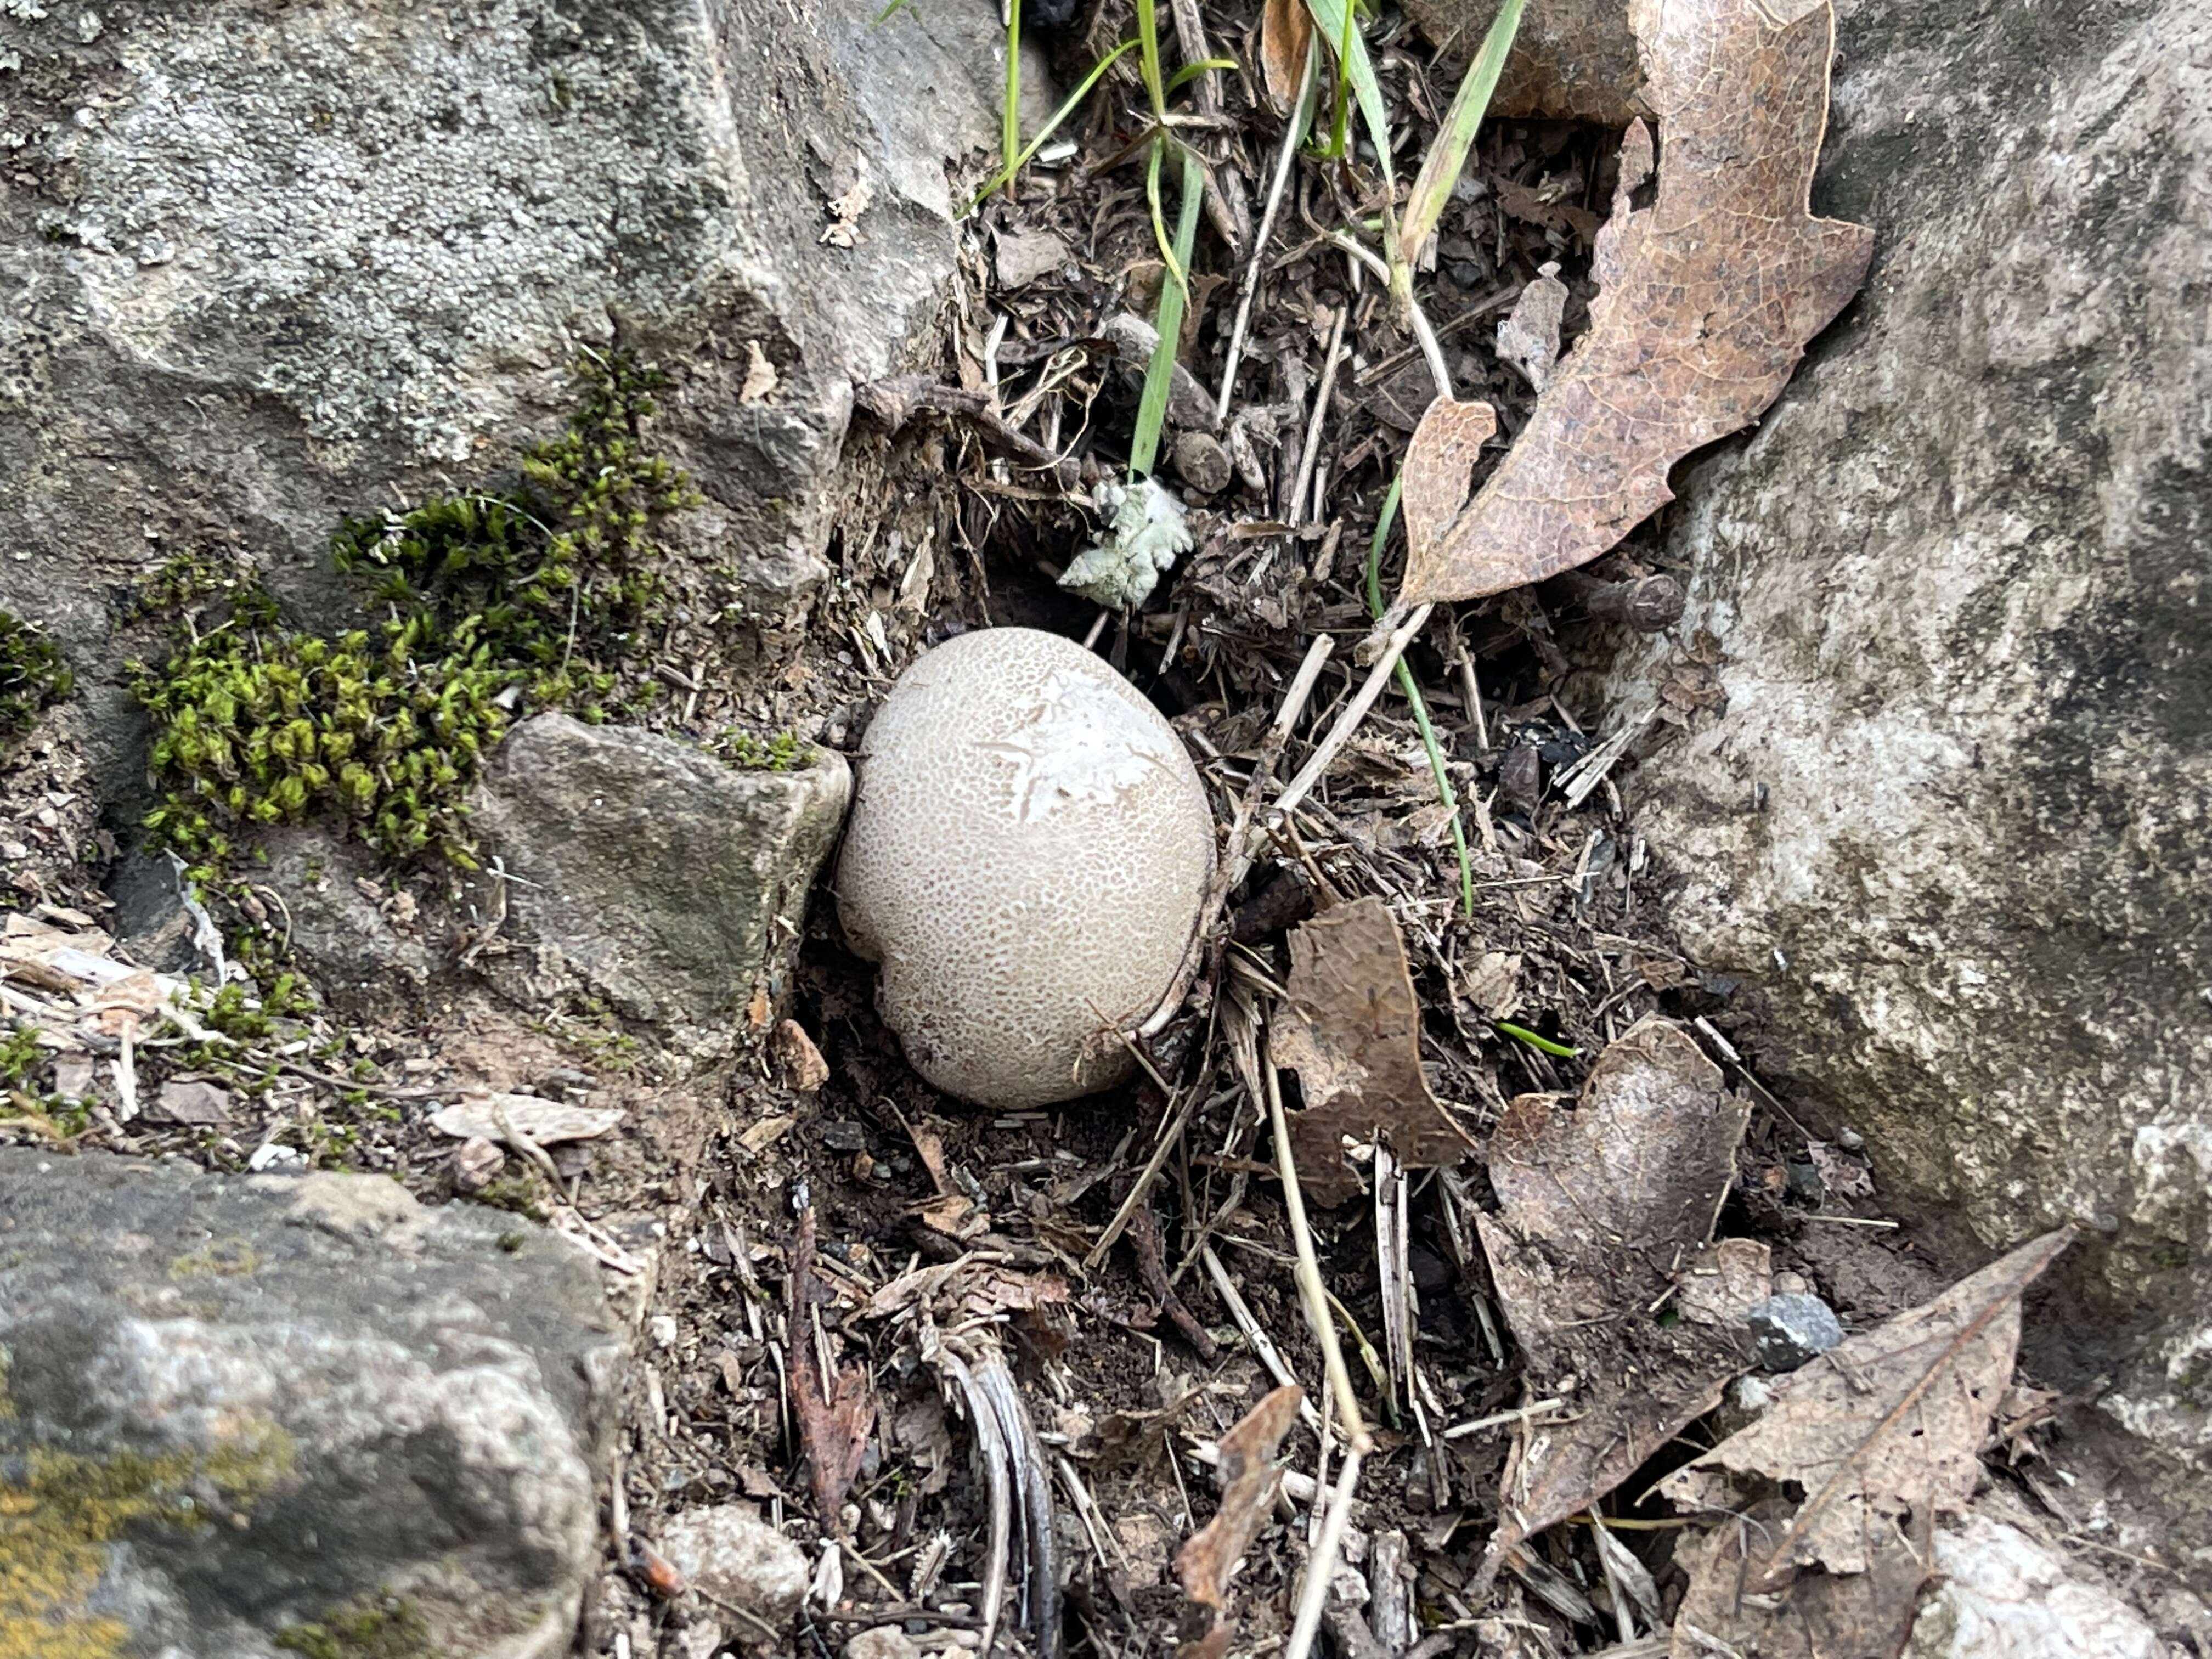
(1202, 463)
(1850, 1140)
(1790, 1330)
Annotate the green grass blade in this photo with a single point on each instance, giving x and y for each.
(890, 12)
(1338, 27)
(1159, 374)
(1148, 31)
(1152, 160)
(1543, 1044)
(1414, 701)
(1440, 168)
(1010, 107)
(1074, 101)
(1190, 72)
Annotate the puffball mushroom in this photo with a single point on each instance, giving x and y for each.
(1028, 851)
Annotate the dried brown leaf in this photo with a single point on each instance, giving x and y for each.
(1572, 60)
(1721, 1283)
(1353, 1034)
(1528, 338)
(1865, 1615)
(1888, 1425)
(797, 1058)
(1285, 29)
(1705, 300)
(1597, 1207)
(834, 1417)
(1250, 1476)
(1443, 450)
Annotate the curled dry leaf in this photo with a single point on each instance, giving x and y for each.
(1285, 28)
(1353, 1033)
(1596, 1208)
(1250, 1476)
(836, 1414)
(1705, 300)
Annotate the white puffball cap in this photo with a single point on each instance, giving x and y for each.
(1028, 851)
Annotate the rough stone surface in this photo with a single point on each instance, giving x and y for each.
(1790, 1329)
(263, 263)
(736, 1557)
(668, 882)
(884, 1642)
(1951, 831)
(2000, 1594)
(292, 1395)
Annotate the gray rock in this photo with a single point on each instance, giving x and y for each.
(1790, 1329)
(1025, 256)
(736, 1557)
(263, 263)
(300, 1397)
(884, 1641)
(670, 883)
(1959, 580)
(2002, 1594)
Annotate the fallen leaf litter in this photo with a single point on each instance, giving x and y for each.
(881, 1298)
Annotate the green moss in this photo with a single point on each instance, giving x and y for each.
(749, 752)
(59, 1514)
(522, 1195)
(493, 606)
(33, 677)
(21, 1059)
(387, 1628)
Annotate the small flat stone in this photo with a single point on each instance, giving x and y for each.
(736, 1557)
(884, 1641)
(194, 1100)
(1026, 255)
(1790, 1330)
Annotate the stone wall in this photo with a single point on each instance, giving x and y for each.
(1952, 830)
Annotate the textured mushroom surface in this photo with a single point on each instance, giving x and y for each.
(1029, 847)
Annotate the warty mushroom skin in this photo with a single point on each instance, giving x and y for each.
(1028, 851)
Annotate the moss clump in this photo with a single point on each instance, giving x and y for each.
(387, 1628)
(749, 752)
(58, 1516)
(495, 604)
(21, 1059)
(33, 676)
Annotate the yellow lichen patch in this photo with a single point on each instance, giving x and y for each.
(59, 1512)
(227, 1256)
